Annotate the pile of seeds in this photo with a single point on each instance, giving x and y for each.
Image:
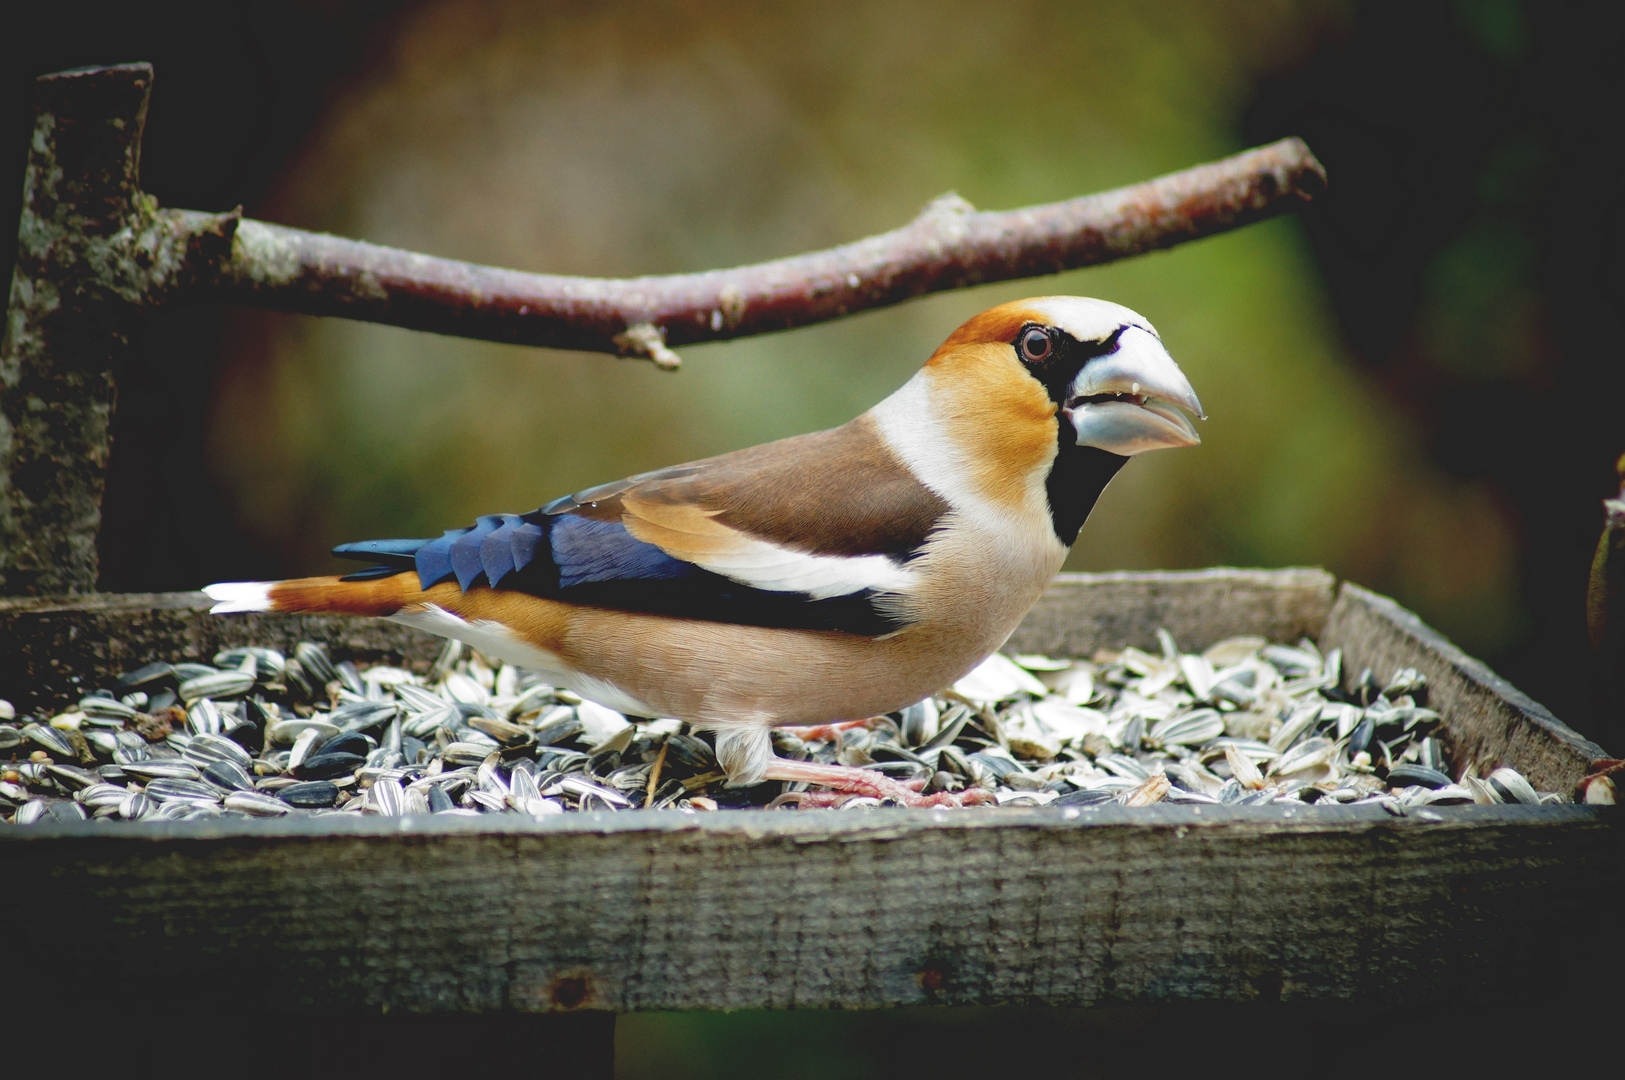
(257, 734)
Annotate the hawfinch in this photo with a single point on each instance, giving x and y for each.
(825, 577)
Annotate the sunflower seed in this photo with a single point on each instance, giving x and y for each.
(328, 766)
(228, 776)
(162, 769)
(146, 677)
(1085, 797)
(97, 796)
(998, 678)
(136, 805)
(304, 745)
(265, 664)
(30, 812)
(1189, 729)
(1244, 722)
(70, 778)
(204, 750)
(310, 794)
(347, 742)
(1402, 775)
(1153, 790)
(256, 804)
(314, 659)
(50, 740)
(1309, 754)
(1292, 662)
(388, 798)
(459, 687)
(1123, 766)
(1242, 768)
(501, 730)
(216, 684)
(165, 790)
(106, 708)
(1512, 787)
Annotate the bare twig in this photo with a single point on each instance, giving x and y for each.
(653, 785)
(97, 258)
(949, 246)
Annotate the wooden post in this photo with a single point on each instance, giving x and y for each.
(94, 259)
(62, 340)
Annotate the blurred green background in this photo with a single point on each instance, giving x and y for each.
(661, 137)
(1366, 373)
(645, 138)
(1415, 384)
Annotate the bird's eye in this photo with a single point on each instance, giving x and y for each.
(1035, 346)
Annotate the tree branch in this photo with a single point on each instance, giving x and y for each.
(949, 246)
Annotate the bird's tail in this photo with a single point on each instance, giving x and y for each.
(381, 596)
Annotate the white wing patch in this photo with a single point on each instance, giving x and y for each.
(690, 532)
(764, 565)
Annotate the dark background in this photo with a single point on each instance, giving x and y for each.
(1460, 288)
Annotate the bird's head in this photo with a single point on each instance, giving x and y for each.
(1047, 398)
(1100, 364)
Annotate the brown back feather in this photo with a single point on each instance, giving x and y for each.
(836, 492)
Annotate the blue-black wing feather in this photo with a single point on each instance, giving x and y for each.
(840, 493)
(594, 561)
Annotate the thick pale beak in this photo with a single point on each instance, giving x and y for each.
(1129, 401)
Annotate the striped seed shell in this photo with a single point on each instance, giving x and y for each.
(1512, 787)
(257, 804)
(216, 684)
(1188, 729)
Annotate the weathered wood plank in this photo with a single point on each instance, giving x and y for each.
(754, 909)
(1080, 613)
(1487, 720)
(56, 649)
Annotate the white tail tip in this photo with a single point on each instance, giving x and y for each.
(230, 596)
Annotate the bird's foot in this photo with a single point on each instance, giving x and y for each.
(830, 800)
(849, 782)
(828, 732)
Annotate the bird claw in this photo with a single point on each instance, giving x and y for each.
(832, 800)
(848, 782)
(885, 790)
(828, 732)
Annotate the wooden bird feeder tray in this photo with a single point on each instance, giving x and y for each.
(744, 909)
(594, 914)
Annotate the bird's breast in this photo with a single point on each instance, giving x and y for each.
(979, 575)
